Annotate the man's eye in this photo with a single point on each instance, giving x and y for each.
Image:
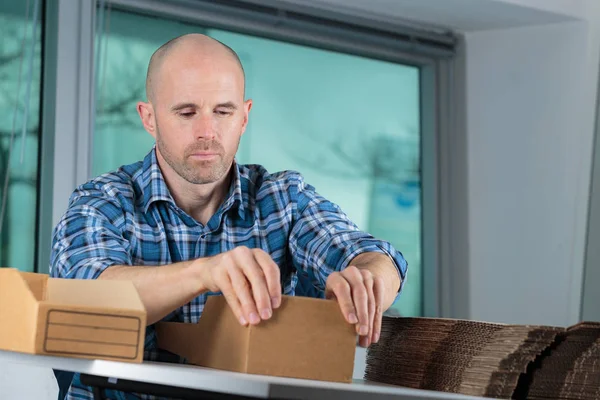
(223, 112)
(188, 114)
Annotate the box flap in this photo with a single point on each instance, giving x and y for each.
(18, 309)
(37, 284)
(306, 338)
(217, 340)
(105, 294)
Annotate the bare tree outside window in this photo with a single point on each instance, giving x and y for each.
(19, 135)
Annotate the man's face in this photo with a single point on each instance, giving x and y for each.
(200, 115)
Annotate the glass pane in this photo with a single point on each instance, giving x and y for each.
(20, 71)
(349, 124)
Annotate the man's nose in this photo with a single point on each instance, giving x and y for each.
(204, 129)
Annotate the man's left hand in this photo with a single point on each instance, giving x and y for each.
(360, 295)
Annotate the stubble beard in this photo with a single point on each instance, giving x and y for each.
(197, 172)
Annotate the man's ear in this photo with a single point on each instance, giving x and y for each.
(146, 112)
(247, 107)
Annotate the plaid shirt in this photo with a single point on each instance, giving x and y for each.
(128, 217)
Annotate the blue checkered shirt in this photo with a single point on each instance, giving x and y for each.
(128, 217)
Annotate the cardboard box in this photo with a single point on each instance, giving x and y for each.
(71, 317)
(305, 338)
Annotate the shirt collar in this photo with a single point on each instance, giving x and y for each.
(154, 188)
(235, 197)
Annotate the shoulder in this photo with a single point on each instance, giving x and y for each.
(257, 181)
(99, 205)
(108, 192)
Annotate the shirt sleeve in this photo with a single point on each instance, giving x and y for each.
(89, 237)
(323, 239)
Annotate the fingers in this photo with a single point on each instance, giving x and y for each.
(250, 282)
(378, 291)
(232, 300)
(242, 289)
(371, 304)
(360, 296)
(338, 287)
(260, 299)
(272, 275)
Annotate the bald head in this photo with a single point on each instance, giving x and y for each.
(192, 44)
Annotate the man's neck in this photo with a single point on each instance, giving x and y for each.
(201, 202)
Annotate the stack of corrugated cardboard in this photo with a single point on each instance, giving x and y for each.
(572, 368)
(484, 359)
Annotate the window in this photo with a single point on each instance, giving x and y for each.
(20, 71)
(349, 124)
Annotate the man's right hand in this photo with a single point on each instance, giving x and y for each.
(249, 280)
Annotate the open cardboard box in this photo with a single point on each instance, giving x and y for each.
(97, 319)
(305, 338)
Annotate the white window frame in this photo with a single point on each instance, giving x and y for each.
(67, 104)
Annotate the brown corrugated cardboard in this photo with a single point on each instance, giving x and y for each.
(305, 338)
(96, 319)
(485, 359)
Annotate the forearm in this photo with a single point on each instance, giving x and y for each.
(162, 289)
(381, 265)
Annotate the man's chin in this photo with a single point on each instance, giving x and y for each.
(207, 177)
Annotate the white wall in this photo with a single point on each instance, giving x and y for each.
(573, 8)
(591, 295)
(530, 118)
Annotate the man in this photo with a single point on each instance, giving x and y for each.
(188, 220)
